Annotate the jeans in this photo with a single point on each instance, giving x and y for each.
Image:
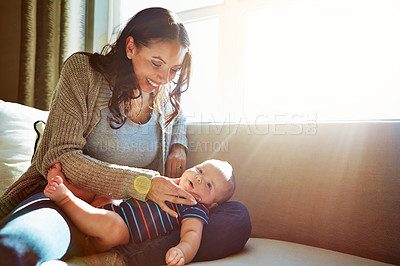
(39, 231)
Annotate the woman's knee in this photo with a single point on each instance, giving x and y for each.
(235, 216)
(228, 230)
(33, 235)
(39, 231)
(237, 222)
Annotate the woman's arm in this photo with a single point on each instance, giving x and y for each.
(184, 252)
(176, 160)
(71, 112)
(179, 130)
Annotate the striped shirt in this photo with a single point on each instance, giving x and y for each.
(146, 220)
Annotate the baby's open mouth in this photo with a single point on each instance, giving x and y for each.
(191, 184)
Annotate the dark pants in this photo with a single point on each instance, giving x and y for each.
(38, 231)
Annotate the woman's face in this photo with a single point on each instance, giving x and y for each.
(156, 64)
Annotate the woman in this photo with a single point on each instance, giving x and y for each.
(113, 117)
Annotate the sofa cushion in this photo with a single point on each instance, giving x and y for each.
(259, 251)
(17, 140)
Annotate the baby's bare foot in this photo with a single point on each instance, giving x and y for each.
(54, 171)
(57, 191)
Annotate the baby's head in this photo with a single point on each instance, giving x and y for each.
(211, 182)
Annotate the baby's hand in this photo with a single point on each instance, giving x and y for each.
(175, 256)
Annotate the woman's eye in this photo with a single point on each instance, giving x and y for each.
(156, 64)
(175, 70)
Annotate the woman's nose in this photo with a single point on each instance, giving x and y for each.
(165, 76)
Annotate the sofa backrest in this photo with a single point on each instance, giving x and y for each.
(329, 185)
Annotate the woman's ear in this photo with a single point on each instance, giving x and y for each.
(130, 47)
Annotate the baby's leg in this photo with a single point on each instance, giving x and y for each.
(106, 229)
(56, 170)
(100, 201)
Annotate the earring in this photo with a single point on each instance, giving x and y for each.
(129, 57)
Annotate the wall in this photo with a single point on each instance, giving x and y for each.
(10, 29)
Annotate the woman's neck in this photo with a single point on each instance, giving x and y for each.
(141, 107)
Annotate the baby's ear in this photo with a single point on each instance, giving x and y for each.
(212, 205)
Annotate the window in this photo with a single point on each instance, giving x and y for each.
(276, 60)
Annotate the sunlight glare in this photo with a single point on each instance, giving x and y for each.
(336, 59)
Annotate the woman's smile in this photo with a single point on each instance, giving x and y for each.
(152, 84)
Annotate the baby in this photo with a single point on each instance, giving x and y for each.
(211, 183)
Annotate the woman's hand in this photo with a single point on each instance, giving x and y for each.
(167, 189)
(176, 161)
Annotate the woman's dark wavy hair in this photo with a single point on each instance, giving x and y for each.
(152, 24)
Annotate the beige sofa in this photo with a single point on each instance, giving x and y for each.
(318, 194)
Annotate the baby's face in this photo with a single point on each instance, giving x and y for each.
(206, 182)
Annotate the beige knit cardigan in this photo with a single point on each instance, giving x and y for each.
(74, 111)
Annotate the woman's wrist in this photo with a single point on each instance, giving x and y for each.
(177, 147)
